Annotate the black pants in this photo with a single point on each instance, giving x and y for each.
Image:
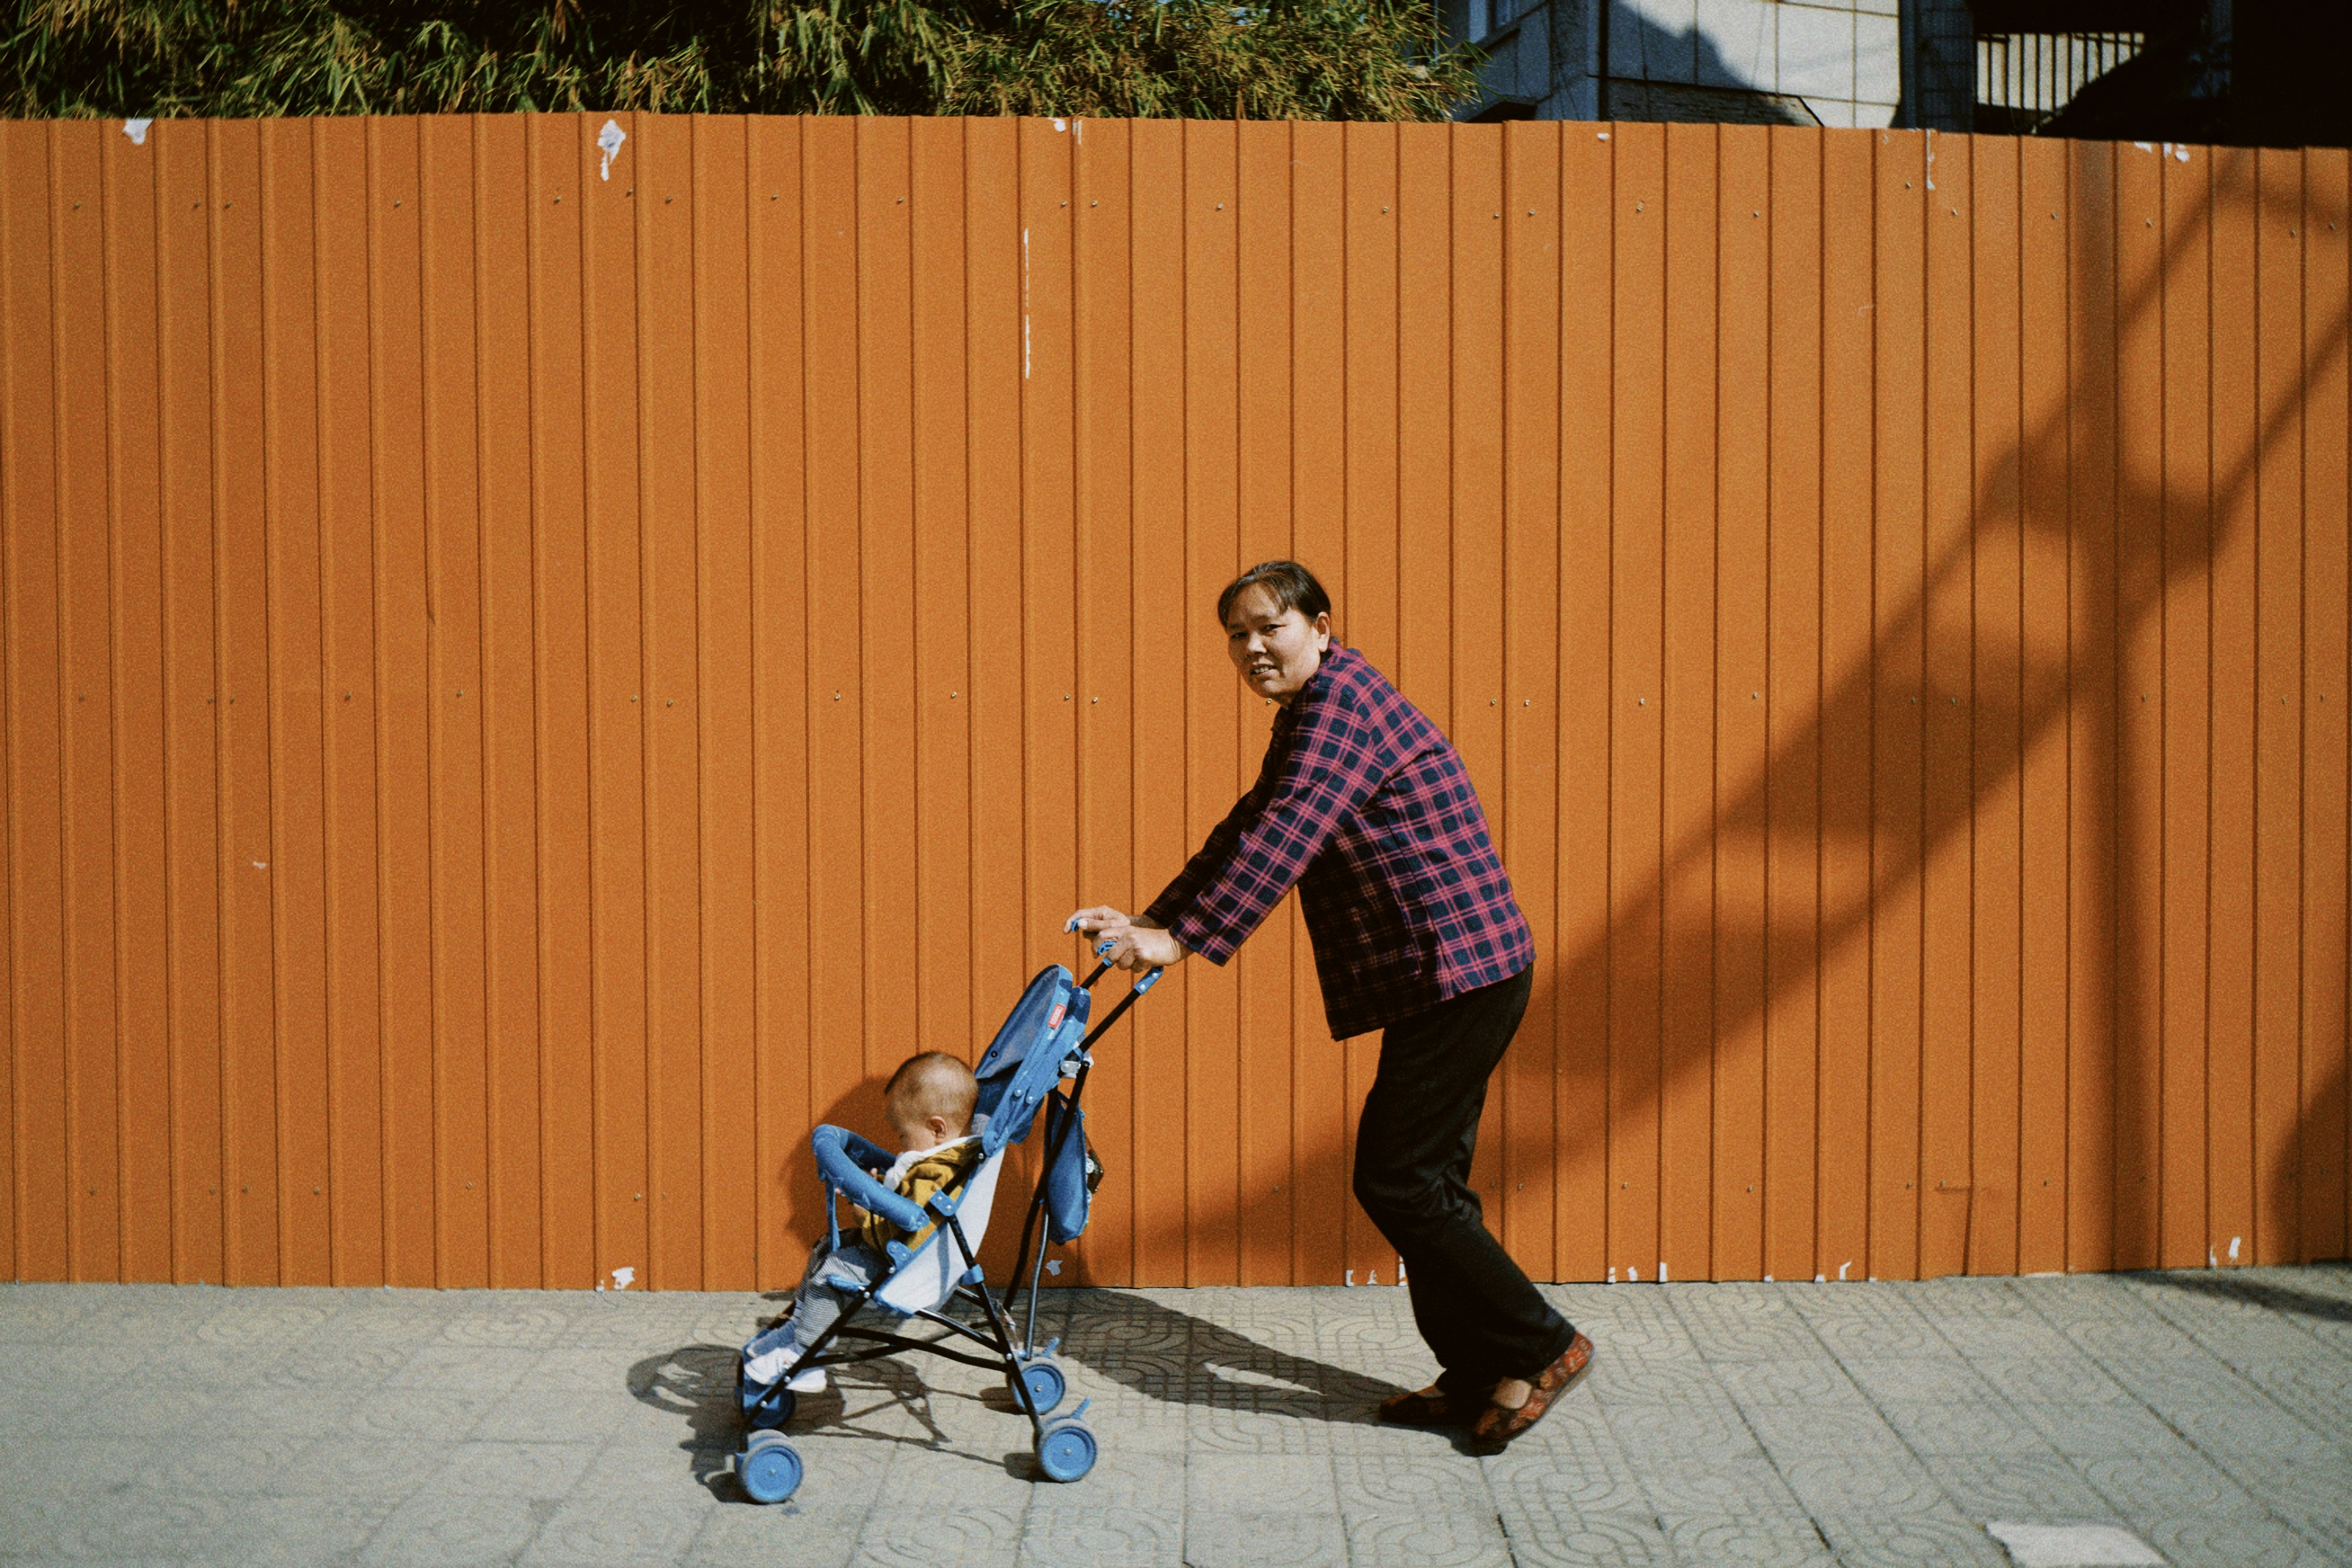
(1480, 1315)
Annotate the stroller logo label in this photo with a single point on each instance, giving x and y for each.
(1054, 1019)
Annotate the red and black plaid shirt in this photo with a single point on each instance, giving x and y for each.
(1365, 806)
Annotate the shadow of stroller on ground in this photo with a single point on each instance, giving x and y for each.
(1132, 1340)
(696, 1383)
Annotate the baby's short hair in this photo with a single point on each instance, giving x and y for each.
(933, 1083)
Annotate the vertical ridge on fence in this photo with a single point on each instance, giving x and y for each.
(1529, 683)
(1845, 1201)
(2043, 694)
(540, 656)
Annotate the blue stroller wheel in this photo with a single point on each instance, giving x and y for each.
(1066, 1451)
(1046, 1383)
(769, 1470)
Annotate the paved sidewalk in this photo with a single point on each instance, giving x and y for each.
(2209, 1415)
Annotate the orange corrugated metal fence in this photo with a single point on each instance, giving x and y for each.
(535, 673)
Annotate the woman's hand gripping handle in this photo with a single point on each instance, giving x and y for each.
(1128, 942)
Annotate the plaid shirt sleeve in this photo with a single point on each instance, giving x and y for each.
(1327, 766)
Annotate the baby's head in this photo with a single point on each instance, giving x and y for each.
(929, 1100)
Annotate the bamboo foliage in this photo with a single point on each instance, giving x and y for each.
(1281, 59)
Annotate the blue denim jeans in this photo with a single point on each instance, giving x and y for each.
(816, 1305)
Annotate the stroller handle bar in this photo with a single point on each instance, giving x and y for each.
(839, 1153)
(1150, 978)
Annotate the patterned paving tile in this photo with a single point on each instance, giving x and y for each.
(2255, 1433)
(1789, 1433)
(1993, 1427)
(1425, 1539)
(1436, 1484)
(982, 1537)
(262, 1318)
(353, 1369)
(1284, 1428)
(2051, 1380)
(2099, 1431)
(2141, 1336)
(2025, 1334)
(1588, 1479)
(90, 1367)
(2017, 1486)
(488, 1368)
(1811, 1382)
(1917, 1380)
(235, 1466)
(60, 1314)
(2298, 1490)
(308, 1532)
(533, 1414)
(322, 1411)
(532, 1470)
(2328, 1527)
(1680, 1383)
(1569, 1539)
(1829, 1484)
(1712, 1431)
(804, 1536)
(1265, 1541)
(515, 1319)
(1260, 1484)
(1072, 1535)
(1746, 1540)
(434, 1530)
(1941, 1540)
(2184, 1483)
(2243, 1541)
(1744, 1487)
(1735, 1322)
(596, 1531)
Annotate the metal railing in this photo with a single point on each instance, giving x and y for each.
(2032, 75)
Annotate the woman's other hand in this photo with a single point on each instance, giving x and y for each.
(1134, 942)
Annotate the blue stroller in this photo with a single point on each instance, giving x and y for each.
(1044, 1042)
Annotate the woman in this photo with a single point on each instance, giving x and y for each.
(1365, 806)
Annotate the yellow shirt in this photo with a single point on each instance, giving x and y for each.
(921, 1174)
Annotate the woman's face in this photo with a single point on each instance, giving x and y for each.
(1277, 650)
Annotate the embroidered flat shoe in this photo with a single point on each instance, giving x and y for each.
(1497, 1426)
(1418, 1409)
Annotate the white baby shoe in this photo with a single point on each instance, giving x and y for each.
(768, 1367)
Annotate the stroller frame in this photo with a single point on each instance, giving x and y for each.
(771, 1471)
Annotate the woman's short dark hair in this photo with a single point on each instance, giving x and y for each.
(1294, 588)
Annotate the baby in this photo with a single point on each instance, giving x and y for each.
(928, 1102)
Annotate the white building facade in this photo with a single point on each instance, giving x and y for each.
(1776, 62)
